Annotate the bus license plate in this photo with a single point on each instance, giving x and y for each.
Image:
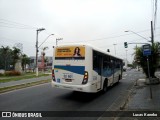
(68, 76)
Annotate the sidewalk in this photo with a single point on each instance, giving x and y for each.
(140, 99)
(25, 81)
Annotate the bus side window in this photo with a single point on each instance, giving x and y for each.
(118, 65)
(107, 67)
(96, 63)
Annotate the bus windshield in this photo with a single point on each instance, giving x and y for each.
(70, 52)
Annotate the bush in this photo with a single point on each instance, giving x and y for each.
(1, 74)
(12, 73)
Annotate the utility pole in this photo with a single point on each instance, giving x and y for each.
(38, 30)
(149, 77)
(115, 48)
(152, 35)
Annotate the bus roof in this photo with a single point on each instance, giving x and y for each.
(88, 45)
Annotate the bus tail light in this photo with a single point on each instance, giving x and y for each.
(53, 76)
(85, 79)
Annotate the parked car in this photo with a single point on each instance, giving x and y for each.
(124, 69)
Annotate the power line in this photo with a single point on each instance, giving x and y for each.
(15, 27)
(15, 24)
(5, 40)
(111, 36)
(119, 43)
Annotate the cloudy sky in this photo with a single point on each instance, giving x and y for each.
(100, 23)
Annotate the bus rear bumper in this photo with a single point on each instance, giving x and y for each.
(90, 88)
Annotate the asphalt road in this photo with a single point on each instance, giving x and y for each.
(46, 98)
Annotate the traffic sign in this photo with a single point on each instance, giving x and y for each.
(146, 50)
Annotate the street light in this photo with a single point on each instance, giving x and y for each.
(115, 48)
(57, 39)
(38, 50)
(136, 34)
(45, 40)
(137, 43)
(38, 31)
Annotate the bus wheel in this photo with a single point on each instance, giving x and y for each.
(119, 78)
(105, 84)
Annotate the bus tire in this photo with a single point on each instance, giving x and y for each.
(119, 78)
(105, 86)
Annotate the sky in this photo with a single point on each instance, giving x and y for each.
(100, 23)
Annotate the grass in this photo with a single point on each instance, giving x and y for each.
(4, 79)
(10, 88)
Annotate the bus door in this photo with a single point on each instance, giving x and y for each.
(97, 67)
(113, 71)
(101, 71)
(108, 69)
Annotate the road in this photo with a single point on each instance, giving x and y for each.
(46, 98)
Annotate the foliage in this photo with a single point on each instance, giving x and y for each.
(12, 73)
(46, 60)
(8, 57)
(153, 59)
(21, 77)
(130, 65)
(1, 74)
(16, 52)
(25, 60)
(5, 57)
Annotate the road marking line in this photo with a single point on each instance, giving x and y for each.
(24, 88)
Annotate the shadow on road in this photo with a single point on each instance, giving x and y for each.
(84, 97)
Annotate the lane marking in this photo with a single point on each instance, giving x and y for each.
(24, 88)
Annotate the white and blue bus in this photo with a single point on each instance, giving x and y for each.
(84, 68)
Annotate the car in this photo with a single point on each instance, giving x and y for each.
(124, 69)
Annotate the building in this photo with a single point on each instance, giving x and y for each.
(42, 63)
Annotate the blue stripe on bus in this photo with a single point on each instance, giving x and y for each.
(74, 69)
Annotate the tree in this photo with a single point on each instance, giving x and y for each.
(5, 59)
(25, 60)
(9, 57)
(16, 52)
(153, 59)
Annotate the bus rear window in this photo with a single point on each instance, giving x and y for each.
(69, 53)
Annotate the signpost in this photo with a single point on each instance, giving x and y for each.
(147, 52)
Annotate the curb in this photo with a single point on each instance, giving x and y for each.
(16, 87)
(120, 103)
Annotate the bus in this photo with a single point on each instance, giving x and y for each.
(84, 68)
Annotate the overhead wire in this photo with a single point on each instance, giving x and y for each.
(10, 41)
(12, 24)
(118, 43)
(16, 27)
(110, 36)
